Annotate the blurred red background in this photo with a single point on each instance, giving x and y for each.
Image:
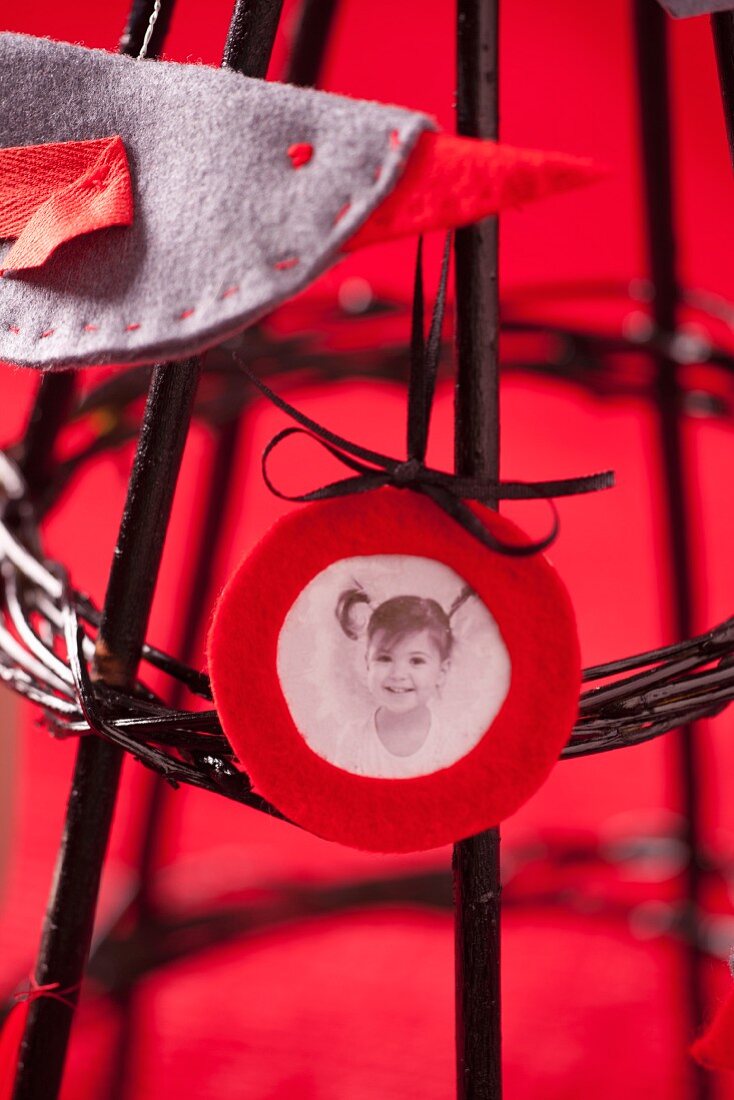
(360, 1003)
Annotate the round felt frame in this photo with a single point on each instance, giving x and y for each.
(512, 759)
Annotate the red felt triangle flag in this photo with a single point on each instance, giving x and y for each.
(50, 194)
(452, 181)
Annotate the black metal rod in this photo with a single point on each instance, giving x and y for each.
(476, 863)
(651, 46)
(722, 28)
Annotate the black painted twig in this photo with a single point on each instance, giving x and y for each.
(70, 917)
(251, 36)
(476, 860)
(722, 27)
(50, 412)
(143, 911)
(652, 63)
(315, 23)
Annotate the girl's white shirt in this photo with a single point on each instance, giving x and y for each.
(361, 751)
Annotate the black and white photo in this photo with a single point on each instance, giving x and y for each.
(391, 666)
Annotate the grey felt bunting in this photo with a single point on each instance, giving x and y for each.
(682, 9)
(242, 192)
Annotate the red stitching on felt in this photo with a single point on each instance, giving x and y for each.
(300, 153)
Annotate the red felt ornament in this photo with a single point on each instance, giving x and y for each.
(342, 682)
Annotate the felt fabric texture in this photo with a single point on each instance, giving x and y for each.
(50, 194)
(269, 186)
(453, 181)
(535, 619)
(681, 9)
(226, 225)
(715, 1048)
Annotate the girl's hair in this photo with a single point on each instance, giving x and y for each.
(398, 617)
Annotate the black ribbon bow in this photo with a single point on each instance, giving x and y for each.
(373, 470)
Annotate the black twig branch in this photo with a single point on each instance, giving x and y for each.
(48, 631)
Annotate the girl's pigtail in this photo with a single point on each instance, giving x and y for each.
(351, 623)
(465, 594)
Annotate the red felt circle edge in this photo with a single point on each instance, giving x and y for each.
(513, 758)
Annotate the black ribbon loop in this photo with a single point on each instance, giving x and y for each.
(373, 470)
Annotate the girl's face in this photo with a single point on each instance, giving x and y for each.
(405, 674)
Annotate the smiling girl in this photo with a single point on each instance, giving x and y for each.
(408, 656)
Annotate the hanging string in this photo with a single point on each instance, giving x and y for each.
(51, 990)
(149, 29)
(373, 470)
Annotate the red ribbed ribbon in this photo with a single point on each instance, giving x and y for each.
(50, 194)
